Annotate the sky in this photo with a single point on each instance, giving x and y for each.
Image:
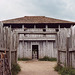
(60, 9)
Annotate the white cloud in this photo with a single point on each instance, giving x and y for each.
(63, 9)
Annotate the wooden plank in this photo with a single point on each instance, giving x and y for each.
(3, 49)
(67, 54)
(24, 32)
(10, 41)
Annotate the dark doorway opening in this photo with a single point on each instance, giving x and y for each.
(35, 52)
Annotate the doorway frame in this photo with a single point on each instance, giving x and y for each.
(38, 48)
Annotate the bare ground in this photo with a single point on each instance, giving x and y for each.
(37, 68)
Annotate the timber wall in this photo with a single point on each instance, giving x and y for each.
(8, 43)
(66, 47)
(45, 48)
(46, 42)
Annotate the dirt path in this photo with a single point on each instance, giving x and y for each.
(37, 68)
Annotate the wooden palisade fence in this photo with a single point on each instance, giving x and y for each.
(8, 49)
(66, 47)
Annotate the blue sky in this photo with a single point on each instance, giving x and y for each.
(60, 9)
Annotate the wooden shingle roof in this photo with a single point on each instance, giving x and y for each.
(34, 19)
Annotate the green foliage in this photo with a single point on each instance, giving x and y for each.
(58, 68)
(23, 59)
(15, 69)
(64, 70)
(46, 58)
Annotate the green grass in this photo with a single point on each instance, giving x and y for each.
(15, 69)
(64, 70)
(23, 59)
(46, 58)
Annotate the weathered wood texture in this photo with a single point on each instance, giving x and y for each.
(36, 36)
(45, 48)
(4, 65)
(66, 47)
(8, 43)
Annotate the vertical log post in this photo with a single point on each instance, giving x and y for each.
(10, 48)
(67, 54)
(17, 40)
(58, 61)
(58, 51)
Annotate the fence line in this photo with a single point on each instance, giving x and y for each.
(8, 43)
(66, 47)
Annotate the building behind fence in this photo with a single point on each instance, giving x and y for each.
(37, 35)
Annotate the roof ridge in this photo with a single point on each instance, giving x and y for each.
(36, 19)
(34, 16)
